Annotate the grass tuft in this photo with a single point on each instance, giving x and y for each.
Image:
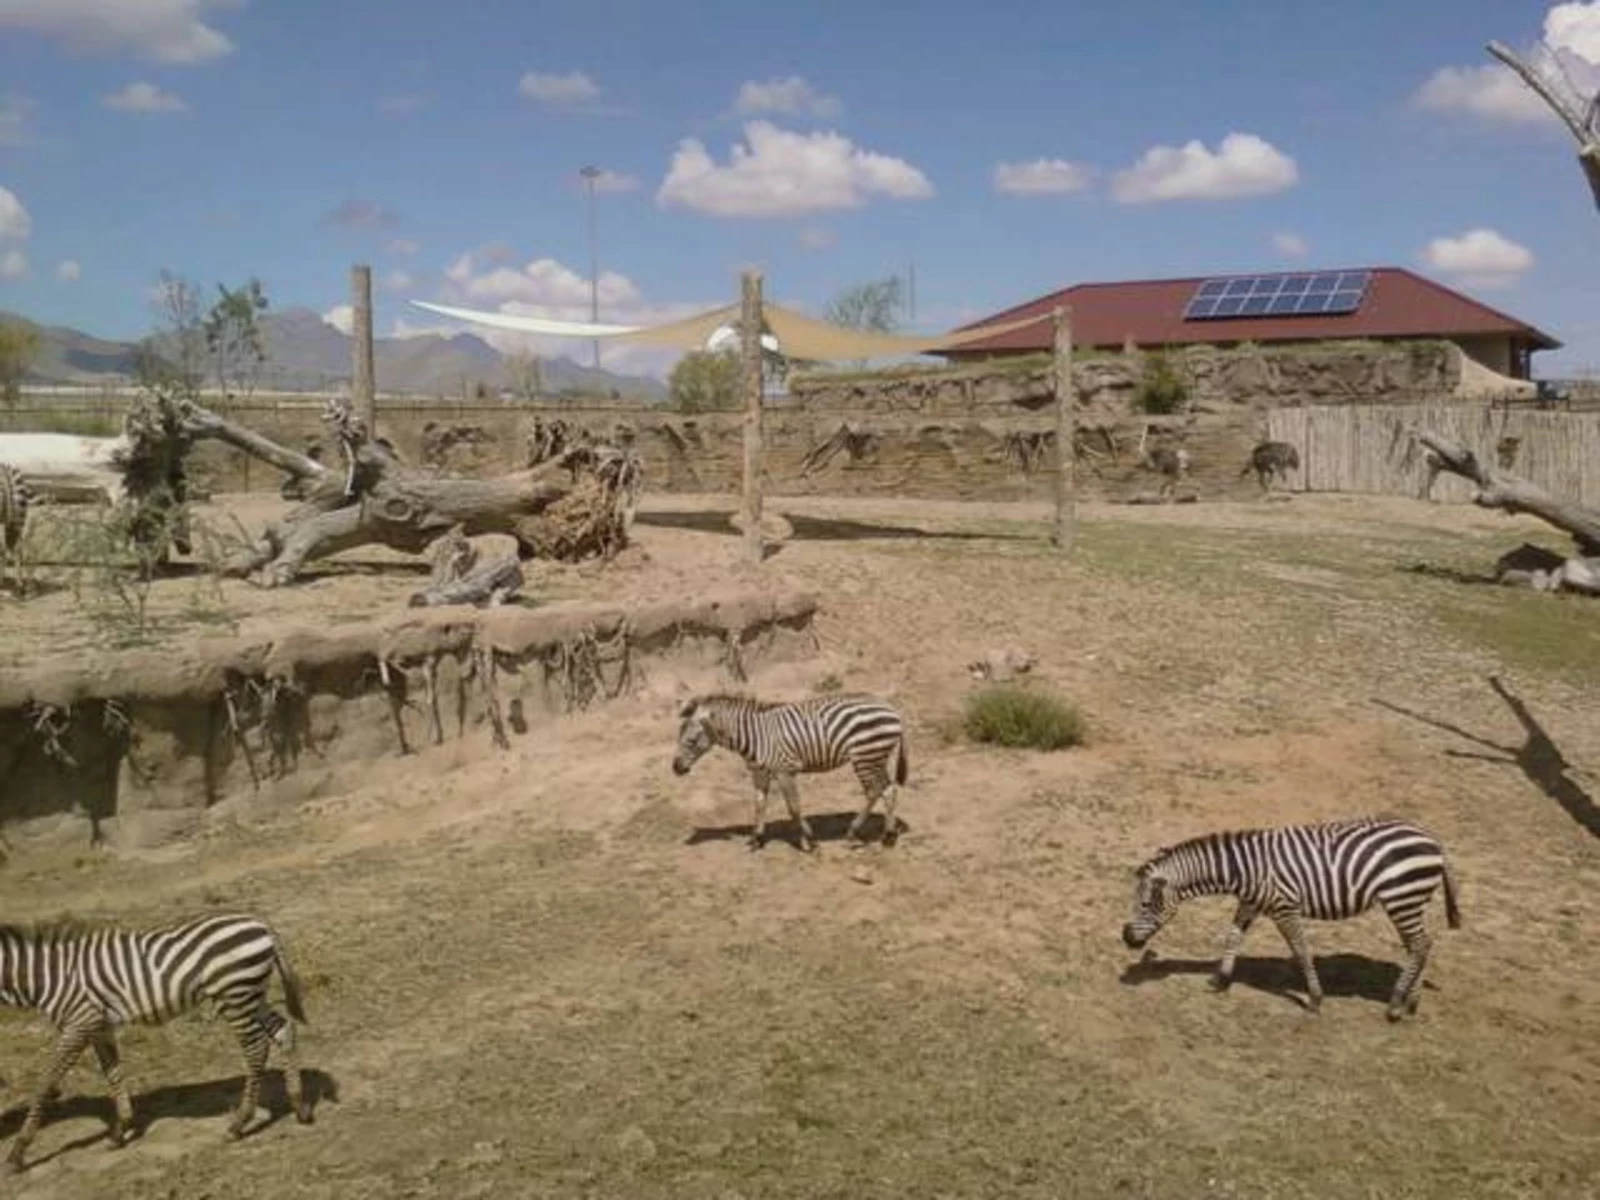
(1019, 717)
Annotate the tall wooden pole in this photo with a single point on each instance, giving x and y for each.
(750, 355)
(363, 387)
(1066, 433)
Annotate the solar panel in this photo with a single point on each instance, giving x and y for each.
(1317, 293)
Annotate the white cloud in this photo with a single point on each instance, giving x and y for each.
(1242, 165)
(1575, 27)
(792, 96)
(784, 174)
(165, 31)
(548, 288)
(143, 97)
(1042, 177)
(610, 182)
(14, 220)
(814, 238)
(13, 264)
(1493, 92)
(399, 281)
(15, 110)
(554, 88)
(403, 247)
(1290, 245)
(1478, 258)
(69, 271)
(341, 317)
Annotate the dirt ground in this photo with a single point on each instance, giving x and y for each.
(559, 972)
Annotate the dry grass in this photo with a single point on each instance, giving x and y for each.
(527, 978)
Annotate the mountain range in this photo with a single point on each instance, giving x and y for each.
(305, 353)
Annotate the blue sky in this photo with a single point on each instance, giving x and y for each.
(1005, 152)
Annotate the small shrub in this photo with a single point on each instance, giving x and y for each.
(1162, 391)
(829, 684)
(1020, 717)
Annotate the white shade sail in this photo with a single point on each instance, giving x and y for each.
(797, 336)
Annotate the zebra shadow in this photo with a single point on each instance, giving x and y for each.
(825, 827)
(1352, 976)
(185, 1101)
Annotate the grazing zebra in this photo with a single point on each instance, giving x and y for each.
(780, 740)
(1170, 462)
(1269, 459)
(1325, 872)
(16, 497)
(89, 979)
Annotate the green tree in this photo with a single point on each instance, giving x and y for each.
(874, 306)
(18, 346)
(233, 337)
(705, 380)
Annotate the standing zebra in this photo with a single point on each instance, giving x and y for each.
(16, 497)
(1325, 872)
(89, 979)
(780, 740)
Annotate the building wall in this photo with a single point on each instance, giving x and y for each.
(1495, 352)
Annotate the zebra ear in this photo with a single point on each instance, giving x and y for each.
(687, 710)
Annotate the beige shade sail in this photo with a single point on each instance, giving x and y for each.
(823, 341)
(798, 336)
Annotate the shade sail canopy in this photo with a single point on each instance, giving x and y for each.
(798, 336)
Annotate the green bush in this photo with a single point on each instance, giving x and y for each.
(1006, 715)
(1162, 390)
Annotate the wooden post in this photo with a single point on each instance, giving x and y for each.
(363, 388)
(750, 355)
(1066, 433)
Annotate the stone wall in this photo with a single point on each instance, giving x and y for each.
(980, 431)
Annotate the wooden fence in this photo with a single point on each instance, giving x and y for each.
(1367, 448)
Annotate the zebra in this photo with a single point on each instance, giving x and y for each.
(1326, 872)
(1269, 459)
(89, 978)
(16, 497)
(1172, 463)
(780, 740)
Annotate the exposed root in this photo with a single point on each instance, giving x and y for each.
(483, 669)
(51, 723)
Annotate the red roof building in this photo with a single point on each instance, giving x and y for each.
(1380, 303)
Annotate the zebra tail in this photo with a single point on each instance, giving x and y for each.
(1452, 910)
(902, 766)
(291, 987)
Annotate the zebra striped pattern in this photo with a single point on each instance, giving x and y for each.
(16, 497)
(1325, 872)
(88, 980)
(781, 740)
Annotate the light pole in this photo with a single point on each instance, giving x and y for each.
(590, 174)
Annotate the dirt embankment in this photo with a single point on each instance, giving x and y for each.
(138, 747)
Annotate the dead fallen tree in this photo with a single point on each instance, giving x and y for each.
(1499, 489)
(578, 504)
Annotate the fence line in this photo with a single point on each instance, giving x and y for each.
(1367, 448)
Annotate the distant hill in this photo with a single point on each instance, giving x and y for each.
(305, 353)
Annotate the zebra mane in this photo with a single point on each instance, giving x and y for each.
(1165, 853)
(732, 699)
(56, 927)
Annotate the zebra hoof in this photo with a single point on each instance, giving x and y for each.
(1219, 984)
